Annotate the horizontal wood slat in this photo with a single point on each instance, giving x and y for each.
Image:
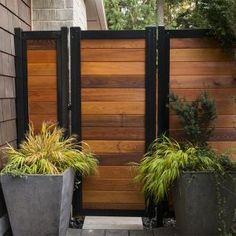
(36, 108)
(135, 55)
(113, 94)
(121, 206)
(219, 94)
(113, 197)
(115, 146)
(117, 159)
(115, 172)
(113, 120)
(41, 44)
(110, 68)
(41, 56)
(111, 108)
(36, 95)
(203, 68)
(222, 121)
(100, 184)
(203, 81)
(40, 82)
(219, 134)
(222, 108)
(113, 133)
(113, 81)
(42, 69)
(200, 54)
(112, 43)
(193, 43)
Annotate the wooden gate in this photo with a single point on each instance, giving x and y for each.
(42, 81)
(113, 89)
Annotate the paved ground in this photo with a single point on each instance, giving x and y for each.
(109, 222)
(110, 232)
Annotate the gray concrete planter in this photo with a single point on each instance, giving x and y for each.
(39, 204)
(197, 207)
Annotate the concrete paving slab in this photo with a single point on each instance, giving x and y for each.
(111, 222)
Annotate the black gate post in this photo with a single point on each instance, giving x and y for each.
(163, 80)
(20, 84)
(75, 37)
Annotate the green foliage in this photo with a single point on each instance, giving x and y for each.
(219, 16)
(48, 152)
(165, 160)
(196, 117)
(131, 14)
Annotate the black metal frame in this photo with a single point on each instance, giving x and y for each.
(21, 38)
(150, 75)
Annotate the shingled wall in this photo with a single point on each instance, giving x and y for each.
(13, 13)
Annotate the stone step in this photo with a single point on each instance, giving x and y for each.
(113, 222)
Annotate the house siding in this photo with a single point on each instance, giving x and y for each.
(13, 13)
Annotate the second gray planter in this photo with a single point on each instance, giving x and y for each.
(198, 200)
(39, 204)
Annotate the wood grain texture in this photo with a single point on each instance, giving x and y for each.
(114, 43)
(48, 69)
(113, 108)
(222, 108)
(41, 56)
(115, 172)
(39, 82)
(39, 44)
(113, 133)
(203, 68)
(36, 95)
(113, 94)
(100, 184)
(113, 81)
(222, 121)
(113, 197)
(39, 108)
(119, 206)
(113, 120)
(118, 159)
(219, 94)
(219, 134)
(137, 55)
(193, 43)
(115, 146)
(200, 54)
(202, 81)
(112, 68)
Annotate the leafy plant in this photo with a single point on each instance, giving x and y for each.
(48, 152)
(165, 160)
(196, 117)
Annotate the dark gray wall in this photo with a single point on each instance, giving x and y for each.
(13, 13)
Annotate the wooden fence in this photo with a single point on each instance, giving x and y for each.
(113, 98)
(198, 63)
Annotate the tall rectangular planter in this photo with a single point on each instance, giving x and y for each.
(39, 204)
(205, 205)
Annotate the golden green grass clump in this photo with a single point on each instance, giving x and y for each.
(48, 152)
(165, 160)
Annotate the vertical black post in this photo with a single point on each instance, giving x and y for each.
(150, 85)
(21, 85)
(63, 79)
(75, 37)
(163, 100)
(150, 94)
(163, 80)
